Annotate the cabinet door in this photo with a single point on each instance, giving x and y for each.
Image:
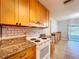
(20, 55)
(33, 11)
(7, 12)
(29, 53)
(40, 12)
(37, 12)
(46, 16)
(24, 12)
(43, 13)
(0, 11)
(16, 11)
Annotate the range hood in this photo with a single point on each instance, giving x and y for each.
(37, 25)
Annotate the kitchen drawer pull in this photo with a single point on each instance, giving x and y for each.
(16, 23)
(19, 24)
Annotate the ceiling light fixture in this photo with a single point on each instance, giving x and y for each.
(67, 1)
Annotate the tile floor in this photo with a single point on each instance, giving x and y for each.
(66, 50)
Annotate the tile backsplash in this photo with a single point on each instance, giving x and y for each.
(8, 31)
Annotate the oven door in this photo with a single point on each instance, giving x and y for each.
(43, 51)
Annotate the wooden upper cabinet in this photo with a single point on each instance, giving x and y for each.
(0, 11)
(14, 11)
(24, 12)
(46, 15)
(7, 11)
(40, 12)
(43, 14)
(33, 11)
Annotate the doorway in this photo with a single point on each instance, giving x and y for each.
(73, 32)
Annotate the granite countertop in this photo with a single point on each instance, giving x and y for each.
(13, 49)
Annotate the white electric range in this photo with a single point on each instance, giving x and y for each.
(42, 47)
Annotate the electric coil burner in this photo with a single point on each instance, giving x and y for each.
(37, 40)
(44, 38)
(33, 39)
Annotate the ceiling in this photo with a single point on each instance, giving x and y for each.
(60, 11)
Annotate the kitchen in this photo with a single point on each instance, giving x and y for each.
(24, 30)
(39, 29)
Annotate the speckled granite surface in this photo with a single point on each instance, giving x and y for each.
(14, 46)
(12, 41)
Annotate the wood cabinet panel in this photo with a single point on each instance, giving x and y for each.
(24, 12)
(0, 11)
(38, 13)
(46, 16)
(7, 11)
(43, 14)
(14, 57)
(29, 53)
(33, 11)
(52, 49)
(14, 11)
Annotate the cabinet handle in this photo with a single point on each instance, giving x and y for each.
(19, 24)
(16, 23)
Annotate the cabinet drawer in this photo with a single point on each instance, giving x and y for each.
(28, 53)
(19, 55)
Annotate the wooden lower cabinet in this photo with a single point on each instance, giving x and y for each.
(29, 53)
(52, 49)
(57, 36)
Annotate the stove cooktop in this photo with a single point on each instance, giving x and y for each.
(37, 41)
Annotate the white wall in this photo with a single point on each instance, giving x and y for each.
(54, 25)
(63, 27)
